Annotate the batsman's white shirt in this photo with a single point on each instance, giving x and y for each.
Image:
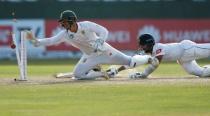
(186, 50)
(170, 52)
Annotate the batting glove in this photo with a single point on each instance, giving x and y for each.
(138, 75)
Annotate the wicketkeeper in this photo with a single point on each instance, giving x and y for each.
(185, 53)
(90, 38)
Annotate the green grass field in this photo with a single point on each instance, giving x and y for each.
(89, 98)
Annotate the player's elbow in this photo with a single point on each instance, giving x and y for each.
(105, 35)
(155, 62)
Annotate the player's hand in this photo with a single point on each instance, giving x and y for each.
(98, 45)
(138, 75)
(30, 36)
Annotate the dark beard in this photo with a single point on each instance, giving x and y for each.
(149, 50)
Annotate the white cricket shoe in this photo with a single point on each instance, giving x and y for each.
(64, 75)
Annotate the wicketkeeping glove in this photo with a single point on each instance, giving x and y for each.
(98, 45)
(32, 39)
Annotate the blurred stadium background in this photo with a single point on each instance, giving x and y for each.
(172, 92)
(167, 20)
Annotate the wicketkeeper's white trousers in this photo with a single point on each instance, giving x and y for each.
(88, 62)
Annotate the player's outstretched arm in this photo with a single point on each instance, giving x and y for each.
(136, 61)
(153, 65)
(45, 41)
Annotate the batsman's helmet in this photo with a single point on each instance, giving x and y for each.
(68, 15)
(148, 41)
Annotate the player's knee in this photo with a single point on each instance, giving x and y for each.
(78, 74)
(193, 71)
(206, 71)
(192, 67)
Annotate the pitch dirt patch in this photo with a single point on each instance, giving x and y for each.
(113, 81)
